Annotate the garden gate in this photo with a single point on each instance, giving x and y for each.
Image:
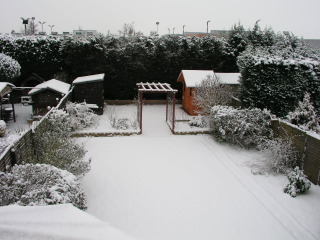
(158, 88)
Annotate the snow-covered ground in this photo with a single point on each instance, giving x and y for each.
(162, 186)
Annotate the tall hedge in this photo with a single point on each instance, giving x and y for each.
(278, 83)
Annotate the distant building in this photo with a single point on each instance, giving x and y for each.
(86, 33)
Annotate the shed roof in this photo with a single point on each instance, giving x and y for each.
(5, 88)
(53, 84)
(193, 78)
(90, 78)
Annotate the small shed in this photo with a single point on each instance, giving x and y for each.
(6, 101)
(192, 78)
(90, 89)
(48, 94)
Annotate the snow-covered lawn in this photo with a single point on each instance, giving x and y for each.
(161, 186)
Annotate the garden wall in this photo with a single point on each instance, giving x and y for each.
(307, 146)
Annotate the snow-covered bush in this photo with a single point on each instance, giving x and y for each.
(56, 147)
(81, 115)
(197, 121)
(278, 155)
(3, 128)
(40, 184)
(305, 116)
(9, 68)
(298, 183)
(246, 127)
(122, 123)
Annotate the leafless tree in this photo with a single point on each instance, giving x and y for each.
(127, 30)
(211, 92)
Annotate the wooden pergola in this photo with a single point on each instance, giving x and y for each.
(157, 88)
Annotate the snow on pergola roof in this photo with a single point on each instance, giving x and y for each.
(155, 87)
(5, 88)
(193, 78)
(52, 84)
(90, 78)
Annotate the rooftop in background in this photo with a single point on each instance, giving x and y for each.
(192, 78)
(53, 84)
(90, 78)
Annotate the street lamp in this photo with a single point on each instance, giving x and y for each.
(169, 30)
(51, 26)
(42, 25)
(183, 29)
(173, 31)
(157, 27)
(208, 26)
(33, 26)
(25, 22)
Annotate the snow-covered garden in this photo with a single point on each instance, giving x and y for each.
(163, 186)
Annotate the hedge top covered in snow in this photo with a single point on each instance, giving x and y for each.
(90, 78)
(52, 84)
(193, 78)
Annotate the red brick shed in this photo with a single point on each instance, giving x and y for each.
(190, 79)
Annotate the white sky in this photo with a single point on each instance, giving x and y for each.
(299, 17)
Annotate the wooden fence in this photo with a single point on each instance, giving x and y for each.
(307, 146)
(24, 147)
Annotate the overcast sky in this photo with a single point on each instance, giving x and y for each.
(299, 17)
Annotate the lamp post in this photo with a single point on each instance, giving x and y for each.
(183, 29)
(157, 27)
(208, 26)
(51, 26)
(173, 31)
(25, 22)
(42, 25)
(169, 30)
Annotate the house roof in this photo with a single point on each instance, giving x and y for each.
(5, 88)
(53, 84)
(193, 78)
(90, 78)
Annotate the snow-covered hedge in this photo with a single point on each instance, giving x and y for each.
(298, 183)
(246, 127)
(40, 184)
(9, 68)
(278, 80)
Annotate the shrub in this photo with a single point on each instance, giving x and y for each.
(9, 68)
(278, 155)
(305, 116)
(197, 121)
(3, 128)
(40, 184)
(298, 183)
(80, 115)
(56, 147)
(246, 127)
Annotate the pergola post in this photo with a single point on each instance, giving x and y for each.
(167, 102)
(173, 111)
(141, 103)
